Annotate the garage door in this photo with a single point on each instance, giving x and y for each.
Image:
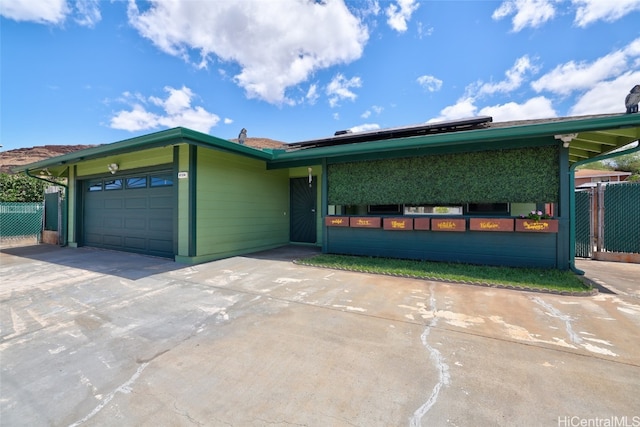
(133, 213)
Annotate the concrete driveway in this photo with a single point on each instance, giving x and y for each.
(94, 337)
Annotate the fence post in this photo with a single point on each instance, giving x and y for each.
(600, 217)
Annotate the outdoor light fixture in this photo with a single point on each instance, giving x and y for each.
(113, 167)
(566, 138)
(310, 177)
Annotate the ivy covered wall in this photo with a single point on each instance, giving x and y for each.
(524, 175)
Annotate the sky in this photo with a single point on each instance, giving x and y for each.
(101, 71)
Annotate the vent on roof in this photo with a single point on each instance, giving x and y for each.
(348, 137)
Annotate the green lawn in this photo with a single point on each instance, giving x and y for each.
(550, 280)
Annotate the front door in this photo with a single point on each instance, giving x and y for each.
(302, 197)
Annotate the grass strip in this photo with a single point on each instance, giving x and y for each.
(533, 278)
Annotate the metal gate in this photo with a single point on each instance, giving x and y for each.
(608, 219)
(584, 224)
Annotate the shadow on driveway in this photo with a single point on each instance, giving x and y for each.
(123, 264)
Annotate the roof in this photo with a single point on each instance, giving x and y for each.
(592, 173)
(588, 137)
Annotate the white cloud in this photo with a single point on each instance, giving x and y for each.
(514, 78)
(365, 127)
(589, 11)
(575, 76)
(527, 13)
(399, 14)
(606, 97)
(89, 12)
(430, 83)
(535, 108)
(465, 107)
(375, 108)
(228, 121)
(312, 94)
(340, 88)
(41, 11)
(176, 111)
(270, 41)
(86, 12)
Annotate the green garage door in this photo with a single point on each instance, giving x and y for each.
(133, 213)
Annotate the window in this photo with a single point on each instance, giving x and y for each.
(163, 180)
(384, 209)
(113, 184)
(488, 208)
(433, 210)
(95, 185)
(136, 182)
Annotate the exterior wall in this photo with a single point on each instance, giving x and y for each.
(240, 206)
(502, 248)
(473, 247)
(135, 160)
(317, 174)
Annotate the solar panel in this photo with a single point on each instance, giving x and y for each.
(348, 137)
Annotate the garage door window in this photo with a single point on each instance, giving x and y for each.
(164, 180)
(95, 185)
(113, 184)
(136, 182)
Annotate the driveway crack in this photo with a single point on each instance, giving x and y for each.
(442, 368)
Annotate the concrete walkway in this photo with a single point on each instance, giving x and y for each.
(100, 338)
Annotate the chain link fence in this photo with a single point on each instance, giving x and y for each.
(622, 218)
(20, 221)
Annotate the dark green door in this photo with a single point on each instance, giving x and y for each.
(302, 197)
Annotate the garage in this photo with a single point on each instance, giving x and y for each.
(133, 213)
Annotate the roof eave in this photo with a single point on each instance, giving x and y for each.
(158, 139)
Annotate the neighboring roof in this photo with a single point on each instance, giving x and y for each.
(594, 173)
(263, 143)
(590, 136)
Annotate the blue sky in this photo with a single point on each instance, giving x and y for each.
(93, 72)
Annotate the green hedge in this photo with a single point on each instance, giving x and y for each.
(525, 175)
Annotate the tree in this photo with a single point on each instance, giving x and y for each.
(21, 188)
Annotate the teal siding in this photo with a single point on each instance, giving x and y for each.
(472, 247)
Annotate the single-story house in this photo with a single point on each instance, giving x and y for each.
(449, 191)
(586, 178)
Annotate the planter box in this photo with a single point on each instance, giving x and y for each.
(448, 224)
(336, 221)
(422, 223)
(50, 237)
(397, 223)
(365, 222)
(541, 226)
(491, 224)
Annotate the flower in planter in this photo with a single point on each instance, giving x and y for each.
(536, 215)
